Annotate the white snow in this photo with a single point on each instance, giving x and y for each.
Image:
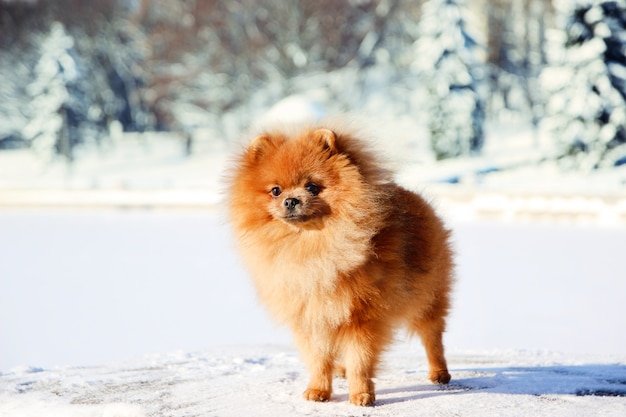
(293, 109)
(268, 381)
(109, 313)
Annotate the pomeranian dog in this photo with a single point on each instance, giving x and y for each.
(340, 253)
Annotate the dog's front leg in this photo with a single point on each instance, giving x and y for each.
(318, 352)
(362, 346)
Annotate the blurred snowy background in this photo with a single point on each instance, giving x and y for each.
(135, 93)
(509, 114)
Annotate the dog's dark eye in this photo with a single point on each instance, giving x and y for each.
(314, 189)
(276, 191)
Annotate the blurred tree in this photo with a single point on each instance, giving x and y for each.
(57, 106)
(100, 40)
(516, 44)
(114, 50)
(587, 84)
(20, 23)
(217, 60)
(446, 57)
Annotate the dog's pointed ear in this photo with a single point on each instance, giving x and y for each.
(326, 139)
(260, 146)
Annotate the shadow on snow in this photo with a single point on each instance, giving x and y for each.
(580, 380)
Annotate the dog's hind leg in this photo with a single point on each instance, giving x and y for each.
(431, 331)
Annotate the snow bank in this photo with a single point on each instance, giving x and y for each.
(152, 171)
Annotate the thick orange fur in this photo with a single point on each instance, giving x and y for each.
(340, 253)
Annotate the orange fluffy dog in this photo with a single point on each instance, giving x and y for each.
(340, 253)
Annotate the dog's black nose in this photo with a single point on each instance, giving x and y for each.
(291, 203)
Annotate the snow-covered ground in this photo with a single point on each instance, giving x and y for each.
(133, 313)
(267, 382)
(121, 294)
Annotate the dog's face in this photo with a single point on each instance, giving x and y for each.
(295, 177)
(298, 203)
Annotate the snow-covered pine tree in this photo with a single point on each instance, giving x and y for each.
(446, 58)
(57, 105)
(586, 84)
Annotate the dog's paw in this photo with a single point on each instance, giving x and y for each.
(316, 395)
(363, 398)
(439, 377)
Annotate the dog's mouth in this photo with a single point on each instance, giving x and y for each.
(302, 221)
(296, 218)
